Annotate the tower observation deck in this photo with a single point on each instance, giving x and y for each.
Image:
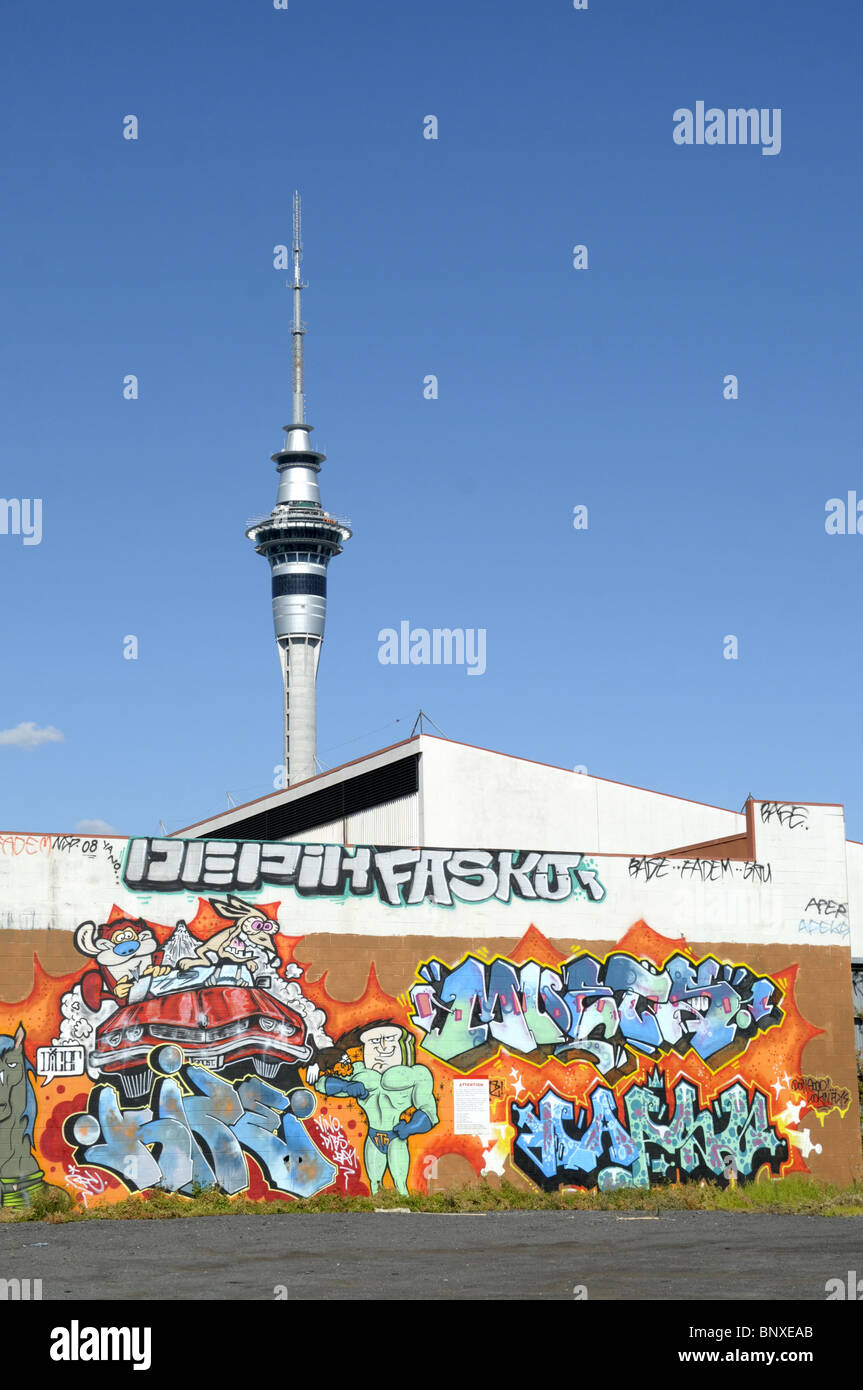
(299, 538)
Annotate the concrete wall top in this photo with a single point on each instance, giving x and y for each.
(795, 891)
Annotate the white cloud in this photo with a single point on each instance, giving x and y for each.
(28, 736)
(95, 827)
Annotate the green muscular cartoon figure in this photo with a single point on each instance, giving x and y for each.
(386, 1083)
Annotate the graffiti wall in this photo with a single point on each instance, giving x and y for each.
(287, 1020)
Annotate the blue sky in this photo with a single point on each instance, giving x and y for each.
(557, 387)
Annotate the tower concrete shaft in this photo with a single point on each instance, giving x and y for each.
(298, 539)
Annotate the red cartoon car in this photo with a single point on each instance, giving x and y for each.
(235, 1030)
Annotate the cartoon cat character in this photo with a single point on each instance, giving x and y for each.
(123, 950)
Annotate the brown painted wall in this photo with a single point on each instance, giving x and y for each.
(803, 1069)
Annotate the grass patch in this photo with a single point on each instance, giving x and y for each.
(799, 1196)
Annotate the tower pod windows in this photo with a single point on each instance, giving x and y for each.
(299, 584)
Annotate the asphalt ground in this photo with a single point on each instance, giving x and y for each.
(685, 1256)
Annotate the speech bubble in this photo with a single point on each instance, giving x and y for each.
(60, 1059)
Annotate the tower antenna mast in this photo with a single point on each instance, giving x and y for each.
(298, 329)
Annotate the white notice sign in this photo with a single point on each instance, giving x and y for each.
(471, 1107)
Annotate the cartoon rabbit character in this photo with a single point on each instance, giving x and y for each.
(248, 940)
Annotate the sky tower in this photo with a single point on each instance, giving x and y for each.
(298, 538)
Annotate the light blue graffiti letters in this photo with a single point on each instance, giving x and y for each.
(288, 1158)
(602, 1011)
(666, 1134)
(552, 1149)
(198, 1135)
